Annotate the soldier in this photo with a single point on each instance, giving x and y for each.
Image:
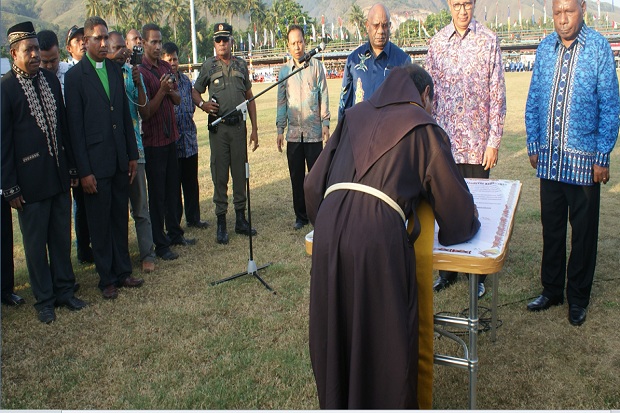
(228, 80)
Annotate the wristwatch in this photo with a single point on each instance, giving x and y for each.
(201, 103)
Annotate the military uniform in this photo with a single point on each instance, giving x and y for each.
(228, 84)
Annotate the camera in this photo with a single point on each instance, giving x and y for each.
(173, 77)
(136, 56)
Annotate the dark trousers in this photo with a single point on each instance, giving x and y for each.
(46, 233)
(108, 218)
(6, 243)
(467, 171)
(162, 174)
(299, 155)
(188, 173)
(561, 203)
(82, 235)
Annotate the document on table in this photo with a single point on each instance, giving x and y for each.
(496, 201)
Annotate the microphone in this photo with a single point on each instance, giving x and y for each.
(312, 52)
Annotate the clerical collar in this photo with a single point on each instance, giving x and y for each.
(96, 65)
(22, 73)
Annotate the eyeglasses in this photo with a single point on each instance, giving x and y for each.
(220, 39)
(458, 6)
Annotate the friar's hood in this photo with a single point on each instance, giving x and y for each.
(379, 123)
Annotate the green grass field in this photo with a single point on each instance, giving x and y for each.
(180, 343)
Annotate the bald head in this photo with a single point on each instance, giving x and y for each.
(378, 27)
(133, 38)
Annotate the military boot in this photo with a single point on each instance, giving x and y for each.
(242, 226)
(222, 235)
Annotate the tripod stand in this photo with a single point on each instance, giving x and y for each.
(243, 108)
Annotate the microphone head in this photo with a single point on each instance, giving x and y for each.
(321, 46)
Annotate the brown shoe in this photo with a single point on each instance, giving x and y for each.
(148, 266)
(131, 282)
(110, 292)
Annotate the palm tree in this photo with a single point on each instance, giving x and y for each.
(116, 10)
(146, 11)
(94, 8)
(356, 16)
(177, 13)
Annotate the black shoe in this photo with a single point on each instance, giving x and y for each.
(47, 314)
(198, 224)
(242, 226)
(576, 315)
(183, 241)
(222, 234)
(12, 299)
(74, 304)
(442, 283)
(86, 256)
(543, 303)
(168, 255)
(299, 224)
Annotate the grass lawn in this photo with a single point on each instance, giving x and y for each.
(180, 343)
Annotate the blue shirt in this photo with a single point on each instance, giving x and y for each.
(132, 96)
(187, 145)
(571, 115)
(364, 72)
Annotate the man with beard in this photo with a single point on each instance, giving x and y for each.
(106, 154)
(37, 170)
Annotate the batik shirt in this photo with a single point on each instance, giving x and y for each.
(132, 96)
(364, 72)
(187, 145)
(303, 103)
(470, 91)
(572, 109)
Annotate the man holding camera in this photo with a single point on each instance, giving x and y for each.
(228, 80)
(160, 134)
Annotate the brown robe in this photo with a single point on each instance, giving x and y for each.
(363, 294)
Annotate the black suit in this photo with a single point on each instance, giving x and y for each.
(103, 142)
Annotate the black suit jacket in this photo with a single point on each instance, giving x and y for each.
(28, 166)
(101, 129)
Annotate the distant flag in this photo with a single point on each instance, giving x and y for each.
(545, 12)
(508, 15)
(533, 18)
(322, 27)
(250, 42)
(241, 42)
(332, 30)
(614, 25)
(359, 35)
(520, 21)
(305, 26)
(485, 13)
(272, 40)
(598, 3)
(265, 43)
(255, 35)
(496, 10)
(419, 27)
(313, 34)
(278, 31)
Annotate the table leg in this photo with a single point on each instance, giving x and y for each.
(494, 307)
(473, 339)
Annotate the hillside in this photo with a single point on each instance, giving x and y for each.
(59, 15)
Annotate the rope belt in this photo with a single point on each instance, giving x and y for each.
(368, 190)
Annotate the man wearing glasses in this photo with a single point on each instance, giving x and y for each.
(465, 63)
(228, 80)
(368, 65)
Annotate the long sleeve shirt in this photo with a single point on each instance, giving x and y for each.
(132, 96)
(187, 145)
(364, 72)
(303, 103)
(572, 109)
(470, 91)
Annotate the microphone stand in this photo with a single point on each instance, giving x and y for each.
(243, 108)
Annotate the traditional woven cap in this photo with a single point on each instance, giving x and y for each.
(21, 31)
(222, 29)
(74, 31)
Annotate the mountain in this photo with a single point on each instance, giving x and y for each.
(59, 15)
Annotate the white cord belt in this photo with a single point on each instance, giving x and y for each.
(368, 190)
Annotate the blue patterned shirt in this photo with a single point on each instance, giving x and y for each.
(187, 145)
(132, 96)
(364, 72)
(572, 109)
